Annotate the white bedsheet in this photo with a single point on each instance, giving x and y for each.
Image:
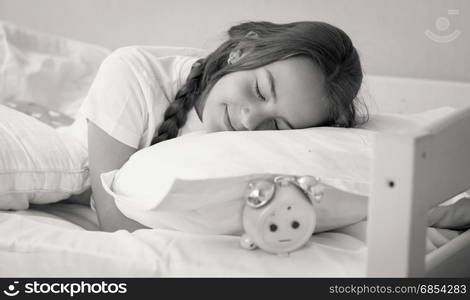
(34, 243)
(38, 244)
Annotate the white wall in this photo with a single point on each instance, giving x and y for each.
(389, 34)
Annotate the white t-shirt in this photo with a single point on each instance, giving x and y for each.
(132, 89)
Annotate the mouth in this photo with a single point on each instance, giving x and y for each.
(227, 122)
(284, 241)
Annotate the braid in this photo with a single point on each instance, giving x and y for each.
(175, 115)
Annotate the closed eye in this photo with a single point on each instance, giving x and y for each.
(262, 98)
(258, 92)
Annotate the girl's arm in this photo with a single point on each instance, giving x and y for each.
(339, 208)
(454, 216)
(107, 154)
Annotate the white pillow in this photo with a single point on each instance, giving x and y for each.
(45, 76)
(38, 164)
(195, 182)
(45, 69)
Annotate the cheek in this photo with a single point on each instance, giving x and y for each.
(212, 109)
(216, 96)
(232, 88)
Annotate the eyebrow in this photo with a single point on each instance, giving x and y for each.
(272, 85)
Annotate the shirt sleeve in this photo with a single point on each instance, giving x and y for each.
(116, 100)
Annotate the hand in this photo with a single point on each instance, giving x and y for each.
(455, 216)
(101, 161)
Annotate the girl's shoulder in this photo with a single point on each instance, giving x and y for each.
(162, 65)
(155, 54)
(162, 51)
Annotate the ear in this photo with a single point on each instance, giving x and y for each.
(247, 242)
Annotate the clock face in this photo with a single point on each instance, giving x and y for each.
(286, 223)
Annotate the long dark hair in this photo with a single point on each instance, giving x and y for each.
(263, 43)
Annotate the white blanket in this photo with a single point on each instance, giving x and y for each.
(34, 243)
(39, 244)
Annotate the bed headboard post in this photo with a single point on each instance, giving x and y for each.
(396, 226)
(413, 172)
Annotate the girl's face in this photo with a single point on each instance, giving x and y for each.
(286, 94)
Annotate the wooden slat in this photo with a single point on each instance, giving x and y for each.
(447, 154)
(412, 173)
(395, 236)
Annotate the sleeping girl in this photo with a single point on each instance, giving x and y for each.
(265, 76)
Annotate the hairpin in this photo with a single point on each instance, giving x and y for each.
(252, 35)
(234, 56)
(237, 53)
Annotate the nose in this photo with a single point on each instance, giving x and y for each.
(253, 117)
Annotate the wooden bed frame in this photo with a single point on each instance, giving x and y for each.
(411, 173)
